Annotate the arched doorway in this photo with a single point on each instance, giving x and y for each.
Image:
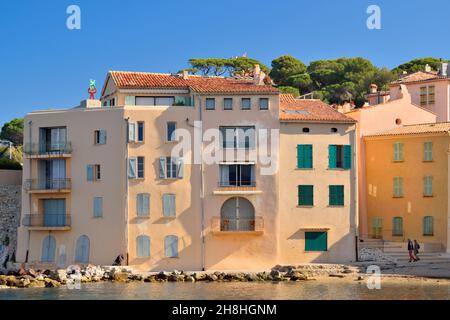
(237, 214)
(82, 249)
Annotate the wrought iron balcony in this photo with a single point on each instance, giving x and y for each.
(48, 149)
(47, 221)
(226, 225)
(58, 185)
(234, 184)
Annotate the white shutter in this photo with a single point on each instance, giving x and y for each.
(131, 131)
(162, 167)
(180, 168)
(132, 163)
(169, 205)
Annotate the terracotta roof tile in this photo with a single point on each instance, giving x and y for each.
(418, 76)
(305, 110)
(143, 80)
(441, 127)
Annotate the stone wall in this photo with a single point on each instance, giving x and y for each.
(10, 204)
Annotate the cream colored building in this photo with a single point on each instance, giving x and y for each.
(103, 180)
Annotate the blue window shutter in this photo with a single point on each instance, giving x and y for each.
(171, 246)
(143, 204)
(90, 172)
(48, 249)
(332, 156)
(98, 207)
(180, 168)
(132, 165)
(102, 136)
(82, 249)
(130, 100)
(143, 246)
(169, 205)
(347, 157)
(162, 167)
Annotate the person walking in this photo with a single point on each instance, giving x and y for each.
(416, 250)
(411, 251)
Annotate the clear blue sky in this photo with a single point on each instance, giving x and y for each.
(45, 65)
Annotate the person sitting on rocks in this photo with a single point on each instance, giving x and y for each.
(118, 261)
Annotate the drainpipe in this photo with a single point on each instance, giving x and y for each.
(30, 135)
(126, 189)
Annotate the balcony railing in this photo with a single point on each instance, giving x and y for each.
(47, 148)
(234, 184)
(237, 225)
(47, 184)
(57, 220)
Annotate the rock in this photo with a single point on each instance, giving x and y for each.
(50, 283)
(252, 277)
(298, 276)
(135, 277)
(24, 282)
(151, 278)
(275, 274)
(120, 277)
(176, 272)
(359, 278)
(161, 276)
(37, 284)
(32, 273)
(190, 279)
(10, 281)
(334, 275)
(212, 277)
(175, 277)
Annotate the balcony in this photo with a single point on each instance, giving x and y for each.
(236, 188)
(61, 185)
(48, 150)
(59, 221)
(237, 226)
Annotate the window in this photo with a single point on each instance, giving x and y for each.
(398, 187)
(340, 156)
(143, 246)
(336, 195)
(305, 130)
(171, 246)
(55, 213)
(93, 172)
(431, 95)
(100, 136)
(98, 207)
(305, 195)
(237, 175)
(210, 103)
(427, 95)
(428, 186)
(143, 204)
(228, 104)
(334, 130)
(246, 104)
(423, 96)
(304, 156)
(169, 205)
(398, 121)
(428, 151)
(171, 127)
(316, 241)
(237, 137)
(428, 226)
(237, 214)
(398, 151)
(131, 131)
(136, 168)
(377, 227)
(397, 226)
(140, 131)
(82, 249)
(170, 168)
(263, 104)
(154, 101)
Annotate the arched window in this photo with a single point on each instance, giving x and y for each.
(48, 249)
(143, 246)
(82, 249)
(397, 226)
(237, 214)
(171, 246)
(428, 226)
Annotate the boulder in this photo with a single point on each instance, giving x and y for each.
(162, 276)
(37, 284)
(297, 276)
(190, 279)
(50, 283)
(251, 277)
(120, 277)
(212, 277)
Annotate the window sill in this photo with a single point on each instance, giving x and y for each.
(428, 196)
(428, 235)
(143, 217)
(169, 218)
(305, 206)
(395, 161)
(314, 251)
(398, 197)
(336, 206)
(305, 169)
(427, 161)
(171, 141)
(338, 169)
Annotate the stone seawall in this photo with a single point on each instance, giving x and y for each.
(10, 205)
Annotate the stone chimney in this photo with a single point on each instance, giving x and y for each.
(373, 88)
(427, 68)
(258, 75)
(185, 75)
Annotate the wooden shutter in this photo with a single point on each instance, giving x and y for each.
(428, 226)
(347, 157)
(132, 168)
(131, 131)
(428, 151)
(332, 156)
(143, 204)
(90, 172)
(102, 136)
(397, 226)
(428, 186)
(48, 249)
(169, 205)
(162, 167)
(143, 246)
(305, 195)
(82, 249)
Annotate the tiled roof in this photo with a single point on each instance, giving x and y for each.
(306, 110)
(418, 76)
(143, 80)
(441, 127)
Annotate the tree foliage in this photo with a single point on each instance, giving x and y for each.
(291, 90)
(419, 65)
(222, 66)
(13, 131)
(285, 67)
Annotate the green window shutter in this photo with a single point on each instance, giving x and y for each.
(428, 186)
(347, 157)
(300, 160)
(336, 195)
(130, 100)
(305, 195)
(398, 186)
(398, 151)
(316, 241)
(304, 156)
(332, 156)
(90, 172)
(428, 151)
(428, 226)
(397, 226)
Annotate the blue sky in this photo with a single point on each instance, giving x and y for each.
(44, 65)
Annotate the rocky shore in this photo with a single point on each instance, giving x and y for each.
(84, 274)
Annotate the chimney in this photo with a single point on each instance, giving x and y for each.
(427, 68)
(444, 69)
(185, 75)
(373, 88)
(258, 75)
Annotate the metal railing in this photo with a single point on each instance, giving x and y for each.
(47, 220)
(237, 225)
(47, 184)
(47, 148)
(241, 183)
